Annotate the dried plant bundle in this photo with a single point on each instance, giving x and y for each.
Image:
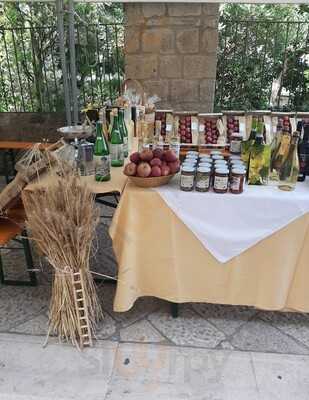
(62, 219)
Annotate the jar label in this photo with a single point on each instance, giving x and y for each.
(235, 184)
(116, 151)
(202, 182)
(221, 182)
(235, 146)
(102, 165)
(186, 181)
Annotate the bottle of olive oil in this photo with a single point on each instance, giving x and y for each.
(116, 144)
(283, 149)
(289, 170)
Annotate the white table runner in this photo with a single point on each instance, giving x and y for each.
(228, 224)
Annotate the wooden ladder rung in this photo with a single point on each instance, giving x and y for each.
(81, 309)
(76, 282)
(84, 326)
(78, 291)
(85, 335)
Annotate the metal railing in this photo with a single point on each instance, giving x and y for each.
(263, 64)
(30, 68)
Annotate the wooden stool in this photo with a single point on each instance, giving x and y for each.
(10, 227)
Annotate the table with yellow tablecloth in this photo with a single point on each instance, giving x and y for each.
(159, 256)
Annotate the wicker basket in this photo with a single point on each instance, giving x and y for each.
(150, 181)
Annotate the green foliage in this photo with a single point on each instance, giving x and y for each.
(258, 44)
(30, 68)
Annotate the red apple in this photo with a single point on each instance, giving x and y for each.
(156, 161)
(174, 166)
(143, 170)
(170, 156)
(165, 170)
(158, 153)
(146, 155)
(130, 169)
(135, 158)
(155, 171)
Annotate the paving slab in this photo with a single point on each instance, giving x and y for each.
(58, 371)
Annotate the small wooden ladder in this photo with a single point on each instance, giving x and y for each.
(82, 310)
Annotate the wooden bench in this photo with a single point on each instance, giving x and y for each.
(12, 226)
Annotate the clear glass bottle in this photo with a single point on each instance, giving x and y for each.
(116, 144)
(174, 140)
(289, 170)
(102, 159)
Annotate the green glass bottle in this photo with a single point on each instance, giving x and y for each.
(124, 132)
(101, 156)
(116, 144)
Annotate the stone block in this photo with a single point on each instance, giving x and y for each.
(184, 9)
(199, 67)
(174, 21)
(187, 41)
(183, 90)
(207, 90)
(171, 66)
(158, 87)
(141, 66)
(133, 14)
(153, 9)
(158, 40)
(211, 22)
(132, 40)
(211, 9)
(209, 41)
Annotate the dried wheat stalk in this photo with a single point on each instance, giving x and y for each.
(62, 219)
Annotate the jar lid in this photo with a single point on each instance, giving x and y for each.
(188, 168)
(217, 157)
(192, 152)
(204, 164)
(237, 162)
(240, 171)
(220, 161)
(191, 156)
(190, 161)
(237, 135)
(204, 169)
(213, 152)
(222, 170)
(234, 157)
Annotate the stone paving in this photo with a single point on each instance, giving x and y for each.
(24, 310)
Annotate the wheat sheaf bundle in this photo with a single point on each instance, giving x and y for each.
(62, 218)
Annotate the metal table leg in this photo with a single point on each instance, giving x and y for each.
(174, 310)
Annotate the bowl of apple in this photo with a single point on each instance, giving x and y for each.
(152, 168)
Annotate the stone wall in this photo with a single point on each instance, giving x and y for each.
(171, 48)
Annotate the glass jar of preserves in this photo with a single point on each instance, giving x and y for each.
(237, 180)
(235, 147)
(187, 178)
(221, 179)
(202, 183)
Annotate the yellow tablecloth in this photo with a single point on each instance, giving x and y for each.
(115, 185)
(159, 256)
